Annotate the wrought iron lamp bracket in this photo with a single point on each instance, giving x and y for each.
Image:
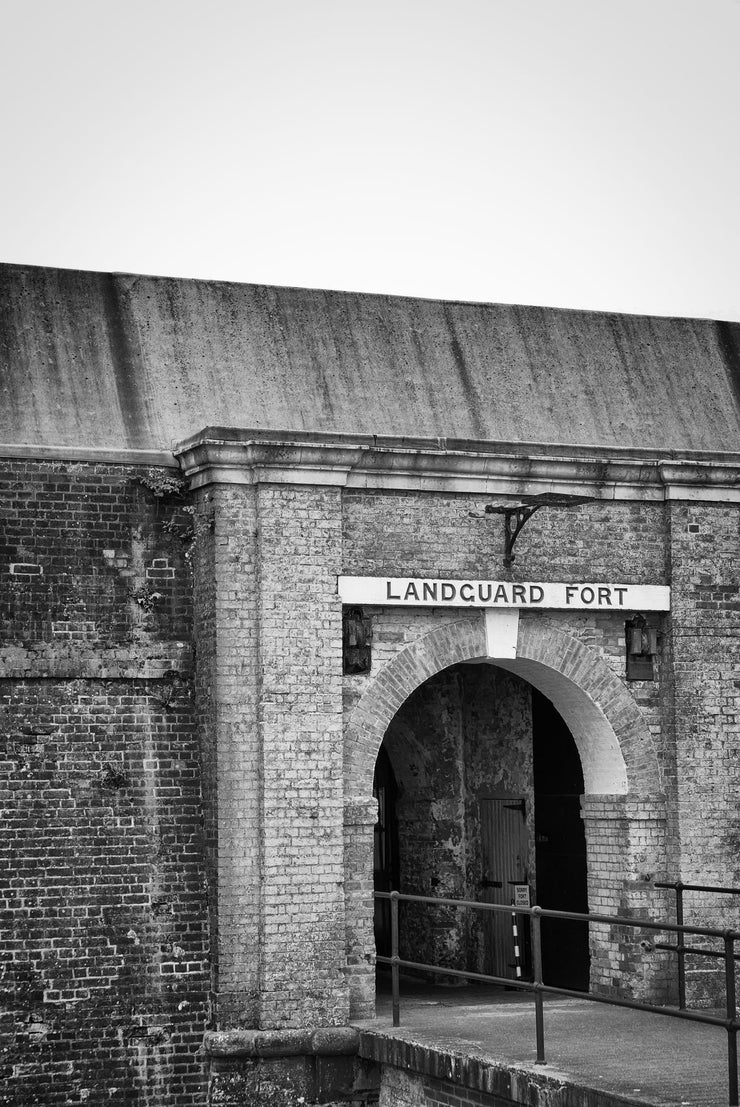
(514, 519)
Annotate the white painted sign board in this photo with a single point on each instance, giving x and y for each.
(439, 592)
(521, 895)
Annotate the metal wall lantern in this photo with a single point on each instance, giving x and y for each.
(357, 635)
(642, 646)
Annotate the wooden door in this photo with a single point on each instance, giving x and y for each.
(505, 861)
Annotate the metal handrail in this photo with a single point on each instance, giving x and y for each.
(679, 888)
(539, 989)
(679, 884)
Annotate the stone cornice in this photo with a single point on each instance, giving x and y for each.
(322, 1041)
(225, 456)
(91, 455)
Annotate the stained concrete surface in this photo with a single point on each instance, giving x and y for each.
(640, 1058)
(120, 361)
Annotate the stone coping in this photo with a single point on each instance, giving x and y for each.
(225, 456)
(249, 456)
(249, 435)
(321, 1041)
(91, 454)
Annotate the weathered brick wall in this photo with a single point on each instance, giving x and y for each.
(625, 838)
(104, 930)
(706, 649)
(402, 1088)
(227, 691)
(92, 553)
(268, 645)
(423, 534)
(414, 1075)
(301, 724)
(107, 748)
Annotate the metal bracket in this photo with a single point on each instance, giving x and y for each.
(514, 519)
(517, 514)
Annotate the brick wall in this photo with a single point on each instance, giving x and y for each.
(268, 641)
(301, 724)
(626, 844)
(104, 933)
(400, 1088)
(92, 553)
(412, 1075)
(227, 690)
(110, 740)
(418, 534)
(705, 626)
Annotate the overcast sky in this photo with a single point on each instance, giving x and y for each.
(568, 152)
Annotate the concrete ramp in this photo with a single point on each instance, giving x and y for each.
(472, 1050)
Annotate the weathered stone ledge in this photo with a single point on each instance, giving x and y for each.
(324, 1041)
(219, 455)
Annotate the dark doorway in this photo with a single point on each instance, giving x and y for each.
(478, 784)
(505, 856)
(385, 860)
(560, 846)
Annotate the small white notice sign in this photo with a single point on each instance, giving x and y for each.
(521, 895)
(438, 592)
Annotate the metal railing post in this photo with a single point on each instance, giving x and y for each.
(681, 953)
(731, 1018)
(539, 1017)
(395, 973)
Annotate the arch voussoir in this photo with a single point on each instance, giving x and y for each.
(613, 738)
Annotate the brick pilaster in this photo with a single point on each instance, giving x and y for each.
(300, 623)
(227, 672)
(626, 844)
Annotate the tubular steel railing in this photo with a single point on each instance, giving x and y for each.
(539, 989)
(679, 888)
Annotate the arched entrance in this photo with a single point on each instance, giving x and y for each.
(623, 808)
(478, 783)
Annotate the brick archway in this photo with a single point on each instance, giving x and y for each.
(623, 808)
(615, 744)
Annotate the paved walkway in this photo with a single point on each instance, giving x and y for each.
(641, 1058)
